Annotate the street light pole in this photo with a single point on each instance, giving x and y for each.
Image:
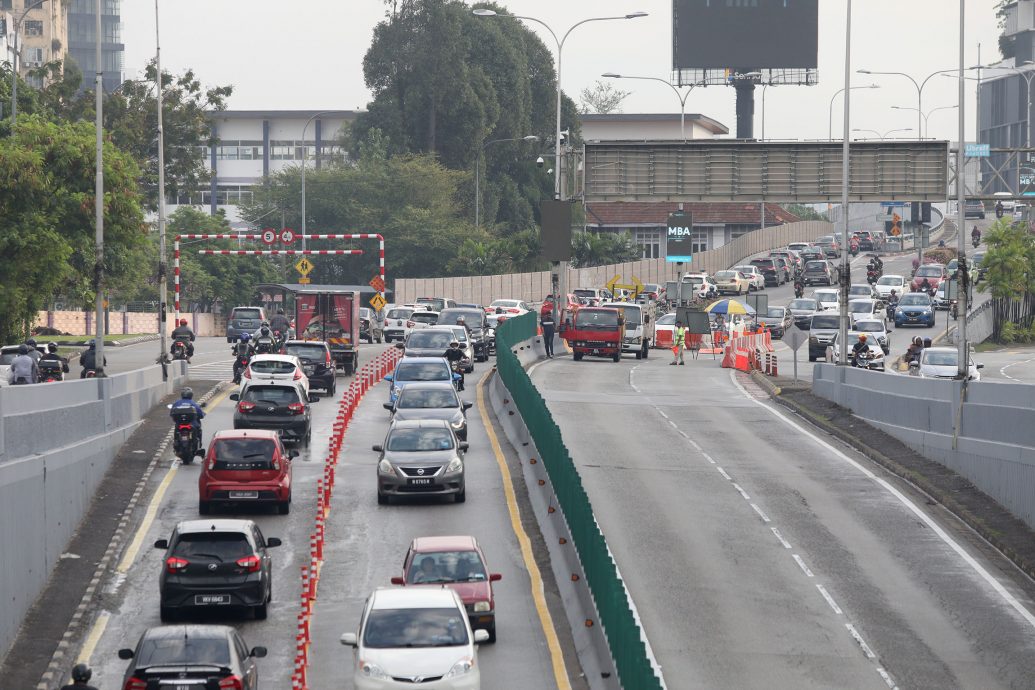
(919, 86)
(845, 278)
(163, 288)
(963, 355)
(830, 112)
(98, 270)
(17, 53)
(477, 173)
(926, 116)
(681, 96)
(305, 153)
(885, 135)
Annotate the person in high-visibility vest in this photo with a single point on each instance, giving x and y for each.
(679, 344)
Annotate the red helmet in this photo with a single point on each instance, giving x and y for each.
(183, 322)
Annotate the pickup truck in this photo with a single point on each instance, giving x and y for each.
(596, 331)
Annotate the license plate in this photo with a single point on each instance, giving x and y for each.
(211, 599)
(244, 494)
(423, 481)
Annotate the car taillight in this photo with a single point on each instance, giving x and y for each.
(250, 564)
(248, 373)
(276, 464)
(231, 683)
(512, 310)
(135, 683)
(411, 324)
(175, 565)
(328, 360)
(245, 406)
(296, 408)
(298, 375)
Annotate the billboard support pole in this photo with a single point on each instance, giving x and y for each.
(846, 279)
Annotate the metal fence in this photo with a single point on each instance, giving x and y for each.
(623, 632)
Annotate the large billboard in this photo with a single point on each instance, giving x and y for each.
(679, 243)
(745, 35)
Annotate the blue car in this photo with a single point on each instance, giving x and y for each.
(915, 309)
(414, 369)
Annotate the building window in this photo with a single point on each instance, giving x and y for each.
(33, 57)
(699, 240)
(649, 242)
(33, 27)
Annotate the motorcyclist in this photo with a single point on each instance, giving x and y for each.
(264, 341)
(859, 348)
(51, 355)
(799, 285)
(88, 360)
(187, 400)
(925, 286)
(81, 675)
(853, 245)
(975, 236)
(184, 333)
(24, 369)
(34, 350)
(878, 263)
(281, 323)
(914, 349)
(454, 355)
(242, 350)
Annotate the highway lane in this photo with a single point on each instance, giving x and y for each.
(1011, 364)
(366, 545)
(758, 556)
(211, 357)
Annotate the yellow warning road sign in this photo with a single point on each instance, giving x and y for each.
(304, 266)
(377, 302)
(304, 280)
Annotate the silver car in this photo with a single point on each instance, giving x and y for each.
(421, 457)
(432, 401)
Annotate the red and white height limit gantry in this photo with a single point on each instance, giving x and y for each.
(270, 237)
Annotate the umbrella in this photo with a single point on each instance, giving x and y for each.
(729, 306)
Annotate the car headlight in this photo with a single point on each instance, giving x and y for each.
(461, 667)
(385, 467)
(458, 423)
(396, 391)
(455, 465)
(481, 607)
(372, 670)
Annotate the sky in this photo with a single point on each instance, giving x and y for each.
(308, 54)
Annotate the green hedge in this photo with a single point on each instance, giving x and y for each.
(620, 627)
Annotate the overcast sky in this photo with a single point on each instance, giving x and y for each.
(309, 53)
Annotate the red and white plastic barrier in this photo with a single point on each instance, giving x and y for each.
(368, 376)
(751, 351)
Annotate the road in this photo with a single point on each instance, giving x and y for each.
(365, 547)
(212, 358)
(759, 555)
(1011, 364)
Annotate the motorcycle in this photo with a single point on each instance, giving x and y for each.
(854, 250)
(458, 373)
(799, 290)
(240, 364)
(51, 371)
(278, 340)
(975, 240)
(872, 276)
(178, 349)
(954, 309)
(864, 359)
(889, 312)
(186, 443)
(90, 374)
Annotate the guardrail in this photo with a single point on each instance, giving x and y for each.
(623, 632)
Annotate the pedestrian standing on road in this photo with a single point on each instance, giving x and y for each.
(679, 344)
(546, 321)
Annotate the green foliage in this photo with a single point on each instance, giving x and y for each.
(47, 246)
(602, 98)
(598, 249)
(1014, 333)
(804, 212)
(1009, 260)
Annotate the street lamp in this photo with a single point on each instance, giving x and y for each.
(919, 87)
(98, 267)
(163, 289)
(478, 169)
(14, 70)
(482, 12)
(927, 115)
(681, 96)
(830, 112)
(305, 152)
(885, 135)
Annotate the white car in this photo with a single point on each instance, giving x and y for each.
(865, 309)
(421, 319)
(275, 368)
(828, 299)
(733, 282)
(941, 363)
(873, 328)
(7, 355)
(515, 307)
(408, 634)
(876, 354)
(704, 286)
(887, 283)
(395, 323)
(753, 274)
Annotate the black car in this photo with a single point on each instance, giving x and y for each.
(476, 324)
(431, 401)
(317, 362)
(822, 334)
(281, 407)
(191, 656)
(818, 272)
(777, 320)
(212, 564)
(427, 342)
(771, 270)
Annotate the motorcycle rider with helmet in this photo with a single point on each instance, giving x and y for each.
(34, 350)
(975, 236)
(184, 333)
(81, 675)
(88, 360)
(187, 400)
(24, 369)
(51, 355)
(799, 285)
(264, 342)
(281, 323)
(454, 355)
(242, 351)
(859, 348)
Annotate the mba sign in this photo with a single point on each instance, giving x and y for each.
(679, 243)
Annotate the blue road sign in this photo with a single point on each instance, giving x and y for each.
(977, 150)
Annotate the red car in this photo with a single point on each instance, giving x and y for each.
(246, 467)
(459, 563)
(934, 273)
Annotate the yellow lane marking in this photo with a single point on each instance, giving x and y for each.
(560, 673)
(156, 502)
(93, 638)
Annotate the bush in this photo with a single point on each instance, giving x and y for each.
(1014, 333)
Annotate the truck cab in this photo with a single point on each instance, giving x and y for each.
(639, 327)
(331, 316)
(596, 331)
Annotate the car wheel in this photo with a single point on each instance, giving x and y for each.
(382, 499)
(617, 356)
(492, 633)
(166, 614)
(284, 507)
(577, 356)
(204, 507)
(638, 354)
(308, 436)
(333, 388)
(811, 357)
(646, 350)
(460, 497)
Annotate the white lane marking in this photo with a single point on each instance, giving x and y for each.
(776, 533)
(724, 475)
(862, 643)
(1013, 364)
(535, 366)
(801, 564)
(887, 679)
(830, 599)
(662, 413)
(924, 517)
(765, 518)
(742, 492)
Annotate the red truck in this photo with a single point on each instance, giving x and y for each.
(596, 331)
(331, 316)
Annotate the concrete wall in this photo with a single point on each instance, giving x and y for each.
(980, 323)
(56, 443)
(533, 286)
(995, 448)
(123, 322)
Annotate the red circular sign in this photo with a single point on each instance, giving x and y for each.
(269, 236)
(287, 236)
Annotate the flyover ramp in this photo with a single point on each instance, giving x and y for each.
(758, 555)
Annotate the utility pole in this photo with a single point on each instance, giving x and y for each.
(98, 267)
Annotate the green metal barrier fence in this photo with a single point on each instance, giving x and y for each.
(635, 670)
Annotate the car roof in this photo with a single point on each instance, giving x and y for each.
(419, 423)
(195, 630)
(414, 598)
(244, 433)
(9, 348)
(218, 525)
(446, 543)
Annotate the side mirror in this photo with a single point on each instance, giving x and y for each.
(468, 405)
(400, 345)
(313, 397)
(980, 366)
(389, 377)
(481, 636)
(398, 581)
(292, 454)
(162, 544)
(464, 445)
(257, 652)
(125, 654)
(349, 639)
(271, 542)
(388, 406)
(234, 396)
(495, 577)
(377, 449)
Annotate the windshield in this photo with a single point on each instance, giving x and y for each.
(860, 290)
(311, 352)
(585, 293)
(434, 303)
(775, 312)
(929, 272)
(868, 327)
(271, 395)
(666, 320)
(183, 650)
(860, 305)
(364, 313)
(427, 317)
(212, 546)
(632, 314)
(400, 313)
(390, 628)
(246, 314)
(816, 266)
(505, 303)
(890, 280)
(244, 454)
(430, 340)
(831, 321)
(763, 262)
(423, 371)
(446, 566)
(460, 334)
(596, 318)
(273, 367)
(803, 304)
(725, 275)
(472, 317)
(415, 440)
(414, 398)
(948, 358)
(825, 296)
(7, 357)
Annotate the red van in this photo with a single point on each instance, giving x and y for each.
(246, 466)
(595, 331)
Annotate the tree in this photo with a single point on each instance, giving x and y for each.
(47, 203)
(1009, 261)
(804, 212)
(602, 98)
(598, 249)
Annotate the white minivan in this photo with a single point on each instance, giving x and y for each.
(639, 327)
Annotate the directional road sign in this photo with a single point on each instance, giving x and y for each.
(304, 266)
(636, 286)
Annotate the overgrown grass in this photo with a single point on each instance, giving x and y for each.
(84, 338)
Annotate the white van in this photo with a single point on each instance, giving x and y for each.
(594, 295)
(639, 327)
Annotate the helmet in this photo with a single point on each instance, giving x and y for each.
(92, 344)
(454, 344)
(23, 349)
(280, 311)
(245, 337)
(460, 319)
(81, 673)
(264, 323)
(862, 337)
(265, 329)
(187, 393)
(31, 342)
(52, 348)
(183, 322)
